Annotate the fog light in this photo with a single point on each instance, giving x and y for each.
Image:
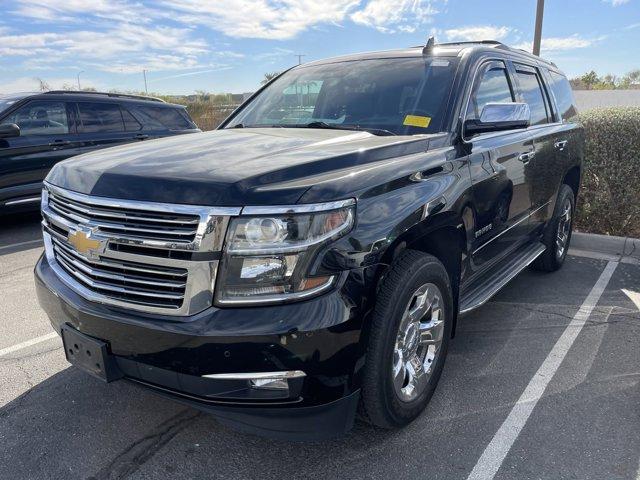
(270, 383)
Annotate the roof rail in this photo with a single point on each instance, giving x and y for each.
(115, 95)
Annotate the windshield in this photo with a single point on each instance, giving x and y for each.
(402, 96)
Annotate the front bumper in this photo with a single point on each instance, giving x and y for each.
(172, 356)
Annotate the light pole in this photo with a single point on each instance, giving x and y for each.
(299, 57)
(144, 73)
(537, 35)
(78, 78)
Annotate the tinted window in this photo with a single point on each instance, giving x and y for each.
(401, 95)
(100, 117)
(130, 122)
(531, 89)
(40, 118)
(167, 117)
(493, 87)
(564, 96)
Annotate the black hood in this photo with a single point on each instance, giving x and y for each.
(233, 167)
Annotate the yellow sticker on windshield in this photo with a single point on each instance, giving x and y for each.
(417, 121)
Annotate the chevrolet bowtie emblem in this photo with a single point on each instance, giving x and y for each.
(86, 245)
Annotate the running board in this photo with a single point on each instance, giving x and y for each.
(490, 283)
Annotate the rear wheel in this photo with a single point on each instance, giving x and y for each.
(410, 333)
(557, 234)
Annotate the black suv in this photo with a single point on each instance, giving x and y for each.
(312, 256)
(37, 130)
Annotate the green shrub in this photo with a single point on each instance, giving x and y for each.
(609, 200)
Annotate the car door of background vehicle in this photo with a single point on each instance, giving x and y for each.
(46, 137)
(543, 171)
(501, 194)
(102, 125)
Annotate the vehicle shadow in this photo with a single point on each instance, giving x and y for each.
(74, 426)
(19, 231)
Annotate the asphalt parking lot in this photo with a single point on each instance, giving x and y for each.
(541, 382)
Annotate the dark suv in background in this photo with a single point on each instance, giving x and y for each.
(37, 130)
(313, 254)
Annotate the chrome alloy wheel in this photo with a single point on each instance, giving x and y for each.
(564, 228)
(418, 342)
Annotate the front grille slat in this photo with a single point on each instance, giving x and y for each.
(130, 224)
(125, 279)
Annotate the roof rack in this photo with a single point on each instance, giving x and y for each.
(115, 95)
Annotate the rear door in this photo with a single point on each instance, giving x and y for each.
(500, 190)
(542, 170)
(102, 125)
(46, 137)
(163, 120)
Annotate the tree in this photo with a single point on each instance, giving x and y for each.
(268, 77)
(43, 85)
(590, 79)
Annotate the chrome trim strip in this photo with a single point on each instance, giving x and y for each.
(257, 375)
(529, 215)
(301, 208)
(139, 205)
(22, 200)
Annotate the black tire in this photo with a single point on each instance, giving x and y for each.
(553, 258)
(380, 403)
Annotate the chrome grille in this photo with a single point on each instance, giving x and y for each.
(158, 258)
(126, 222)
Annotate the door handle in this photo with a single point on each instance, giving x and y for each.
(141, 136)
(561, 144)
(59, 143)
(526, 157)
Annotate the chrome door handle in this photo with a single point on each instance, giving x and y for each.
(561, 144)
(526, 157)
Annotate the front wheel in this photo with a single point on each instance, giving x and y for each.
(410, 332)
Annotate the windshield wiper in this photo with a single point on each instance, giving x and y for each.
(374, 131)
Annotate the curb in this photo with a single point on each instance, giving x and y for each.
(607, 244)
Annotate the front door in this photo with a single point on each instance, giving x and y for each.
(46, 137)
(498, 171)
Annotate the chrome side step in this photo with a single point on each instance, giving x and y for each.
(489, 284)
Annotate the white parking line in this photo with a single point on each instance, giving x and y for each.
(499, 447)
(20, 244)
(28, 343)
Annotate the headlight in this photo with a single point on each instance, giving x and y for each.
(267, 257)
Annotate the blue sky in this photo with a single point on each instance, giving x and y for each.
(227, 45)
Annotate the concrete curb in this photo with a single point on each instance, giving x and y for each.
(621, 247)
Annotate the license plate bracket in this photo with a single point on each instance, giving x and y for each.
(89, 354)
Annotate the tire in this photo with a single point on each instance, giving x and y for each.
(414, 280)
(556, 252)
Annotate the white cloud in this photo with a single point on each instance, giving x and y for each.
(556, 44)
(114, 50)
(78, 10)
(274, 20)
(616, 3)
(389, 16)
(479, 32)
(32, 84)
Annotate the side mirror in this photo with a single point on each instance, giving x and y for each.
(9, 130)
(496, 117)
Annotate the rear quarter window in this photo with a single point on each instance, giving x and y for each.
(564, 96)
(166, 117)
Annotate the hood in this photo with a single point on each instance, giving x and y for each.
(233, 167)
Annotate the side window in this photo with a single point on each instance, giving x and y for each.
(492, 86)
(130, 122)
(40, 118)
(533, 94)
(564, 96)
(100, 117)
(166, 117)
